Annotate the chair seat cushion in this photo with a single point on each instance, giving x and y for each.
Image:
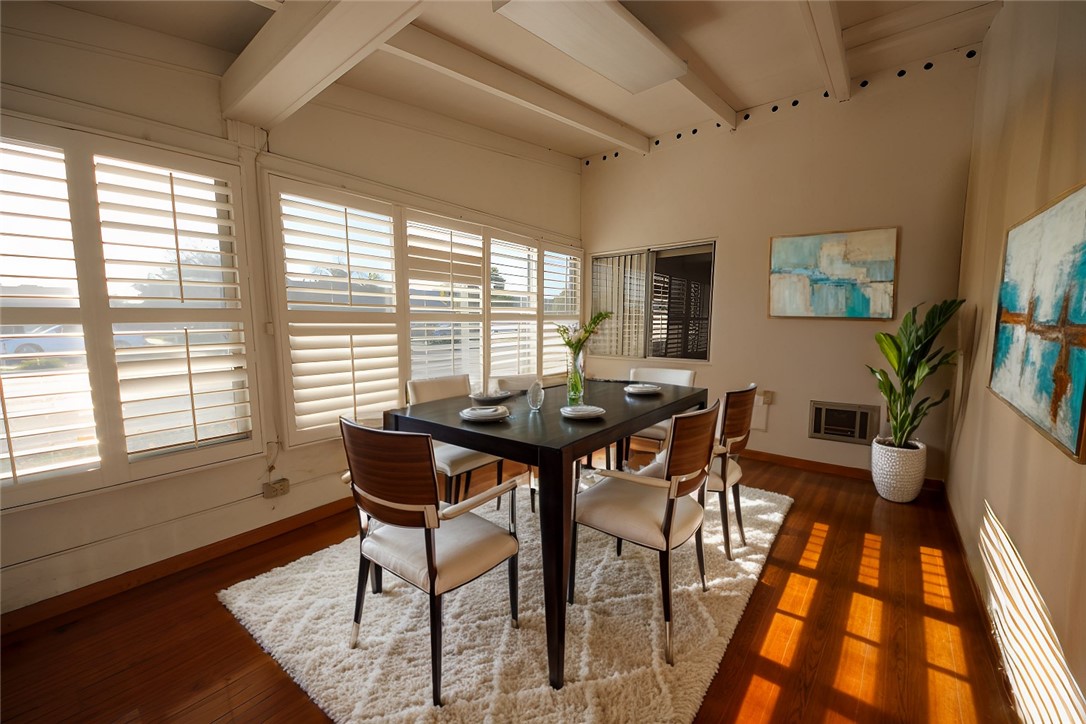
(454, 460)
(657, 432)
(467, 547)
(715, 483)
(636, 513)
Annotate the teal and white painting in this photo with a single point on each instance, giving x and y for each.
(1039, 357)
(848, 275)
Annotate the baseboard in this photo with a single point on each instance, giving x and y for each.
(65, 602)
(827, 468)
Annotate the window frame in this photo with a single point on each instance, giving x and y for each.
(275, 179)
(650, 255)
(97, 317)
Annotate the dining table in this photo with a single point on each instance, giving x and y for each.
(551, 442)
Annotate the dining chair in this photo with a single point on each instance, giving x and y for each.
(662, 376)
(737, 408)
(654, 507)
(431, 545)
(454, 462)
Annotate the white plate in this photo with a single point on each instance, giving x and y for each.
(491, 398)
(641, 388)
(582, 412)
(484, 414)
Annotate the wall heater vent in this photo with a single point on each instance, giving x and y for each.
(843, 422)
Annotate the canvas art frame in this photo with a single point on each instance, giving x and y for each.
(1039, 346)
(834, 275)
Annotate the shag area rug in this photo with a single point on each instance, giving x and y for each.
(615, 669)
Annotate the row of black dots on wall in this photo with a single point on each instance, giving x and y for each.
(777, 107)
(678, 136)
(863, 84)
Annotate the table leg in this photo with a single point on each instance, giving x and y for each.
(555, 524)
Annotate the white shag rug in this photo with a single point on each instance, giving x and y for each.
(615, 669)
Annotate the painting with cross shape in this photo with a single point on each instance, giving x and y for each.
(1039, 358)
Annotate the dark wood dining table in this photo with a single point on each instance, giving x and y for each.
(553, 443)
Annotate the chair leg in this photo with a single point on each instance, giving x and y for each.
(464, 491)
(607, 456)
(376, 578)
(699, 546)
(531, 494)
(665, 587)
(738, 513)
(499, 483)
(449, 479)
(724, 524)
(618, 547)
(514, 587)
(435, 646)
(360, 596)
(572, 563)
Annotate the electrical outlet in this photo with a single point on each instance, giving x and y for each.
(276, 488)
(767, 397)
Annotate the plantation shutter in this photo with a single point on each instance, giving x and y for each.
(338, 288)
(618, 286)
(561, 305)
(514, 311)
(48, 423)
(173, 280)
(445, 283)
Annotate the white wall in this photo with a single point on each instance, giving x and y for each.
(68, 67)
(1029, 147)
(896, 154)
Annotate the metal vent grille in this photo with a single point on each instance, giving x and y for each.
(843, 422)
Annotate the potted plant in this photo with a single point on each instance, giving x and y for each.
(898, 462)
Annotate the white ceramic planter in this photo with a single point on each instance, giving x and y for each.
(898, 472)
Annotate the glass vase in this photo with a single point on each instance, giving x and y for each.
(575, 377)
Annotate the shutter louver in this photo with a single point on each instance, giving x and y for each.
(350, 369)
(618, 286)
(447, 348)
(48, 425)
(182, 386)
(339, 287)
(445, 269)
(167, 237)
(336, 257)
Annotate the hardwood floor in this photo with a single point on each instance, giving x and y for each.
(864, 612)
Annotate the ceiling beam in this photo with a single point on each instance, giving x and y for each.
(601, 35)
(907, 18)
(960, 28)
(449, 59)
(716, 105)
(824, 27)
(301, 50)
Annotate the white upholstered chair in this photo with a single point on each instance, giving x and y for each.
(736, 409)
(454, 462)
(433, 546)
(660, 376)
(654, 508)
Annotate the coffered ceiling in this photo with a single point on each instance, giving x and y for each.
(470, 59)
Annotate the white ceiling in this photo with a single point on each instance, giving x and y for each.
(739, 55)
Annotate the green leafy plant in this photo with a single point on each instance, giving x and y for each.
(575, 337)
(912, 361)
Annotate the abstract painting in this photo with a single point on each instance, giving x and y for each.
(1039, 356)
(848, 274)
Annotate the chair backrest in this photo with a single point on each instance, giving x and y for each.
(392, 474)
(662, 375)
(737, 408)
(515, 383)
(690, 447)
(437, 388)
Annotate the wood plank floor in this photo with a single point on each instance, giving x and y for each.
(864, 613)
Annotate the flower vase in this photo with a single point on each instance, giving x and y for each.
(575, 377)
